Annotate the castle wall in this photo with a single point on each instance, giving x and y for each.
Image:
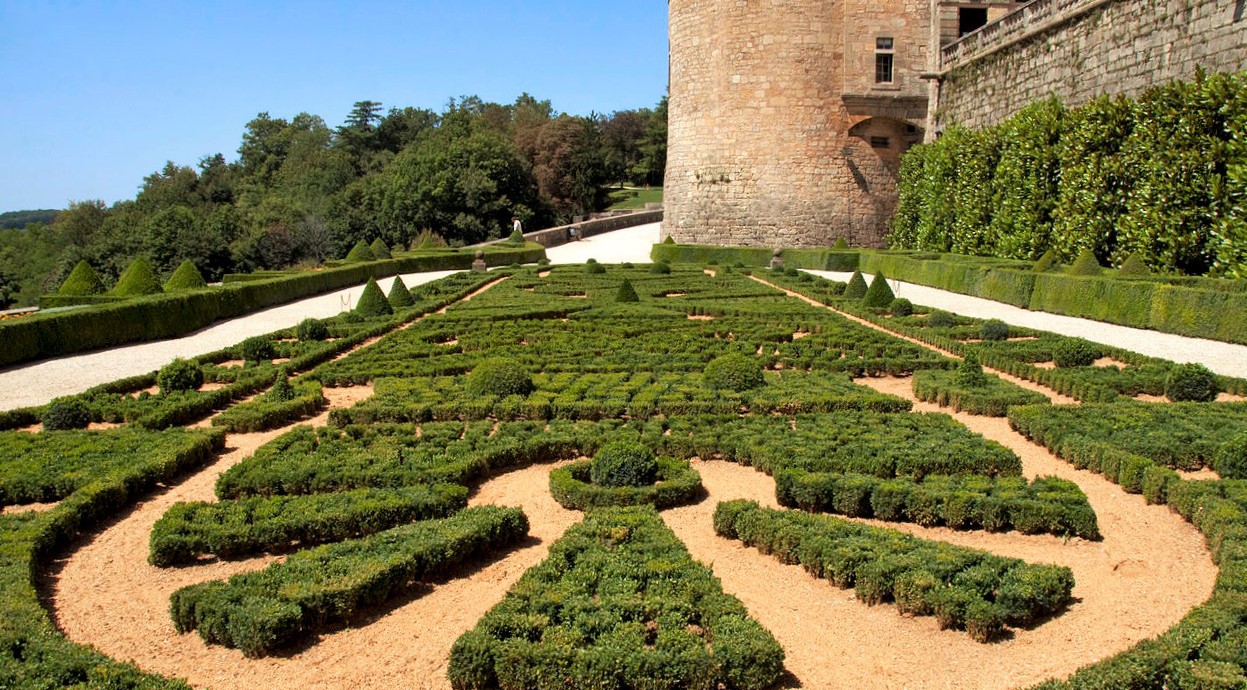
(760, 148)
(1078, 50)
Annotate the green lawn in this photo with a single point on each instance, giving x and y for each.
(634, 198)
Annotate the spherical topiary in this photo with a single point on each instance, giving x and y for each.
(970, 373)
(624, 463)
(1231, 460)
(879, 295)
(1045, 263)
(372, 301)
(379, 249)
(83, 280)
(499, 377)
(180, 375)
(186, 277)
(857, 287)
(64, 414)
(400, 296)
(1086, 265)
(734, 372)
(626, 292)
(902, 307)
(258, 349)
(1192, 383)
(941, 319)
(360, 252)
(1075, 352)
(994, 330)
(592, 267)
(312, 329)
(137, 280)
(661, 268)
(1133, 266)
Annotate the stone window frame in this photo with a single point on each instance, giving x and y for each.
(885, 60)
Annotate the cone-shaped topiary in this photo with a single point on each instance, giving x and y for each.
(879, 295)
(515, 238)
(379, 249)
(83, 280)
(857, 287)
(670, 240)
(970, 373)
(1192, 383)
(841, 243)
(180, 375)
(186, 277)
(735, 372)
(624, 463)
(281, 391)
(1134, 266)
(1086, 265)
(1045, 263)
(372, 301)
(626, 292)
(499, 377)
(360, 252)
(400, 296)
(137, 280)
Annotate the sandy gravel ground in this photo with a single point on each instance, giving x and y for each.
(1223, 358)
(38, 383)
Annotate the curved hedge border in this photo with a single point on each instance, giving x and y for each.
(993, 399)
(678, 484)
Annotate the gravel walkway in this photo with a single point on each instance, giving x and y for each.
(38, 383)
(630, 245)
(1223, 358)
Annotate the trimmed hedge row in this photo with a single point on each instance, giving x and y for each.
(270, 411)
(1048, 505)
(229, 529)
(678, 484)
(261, 612)
(992, 399)
(619, 603)
(165, 316)
(814, 259)
(963, 588)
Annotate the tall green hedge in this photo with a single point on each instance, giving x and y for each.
(1164, 175)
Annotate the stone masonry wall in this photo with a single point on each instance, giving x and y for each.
(1117, 47)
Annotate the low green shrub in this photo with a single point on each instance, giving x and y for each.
(282, 404)
(985, 395)
(257, 349)
(592, 267)
(734, 372)
(1192, 383)
(83, 280)
(624, 463)
(969, 373)
(939, 318)
(1075, 352)
(180, 375)
(312, 330)
(186, 277)
(676, 484)
(499, 377)
(879, 295)
(994, 330)
(372, 302)
(902, 307)
(1231, 460)
(661, 268)
(65, 414)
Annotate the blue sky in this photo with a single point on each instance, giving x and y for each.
(96, 95)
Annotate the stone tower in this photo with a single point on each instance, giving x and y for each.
(787, 118)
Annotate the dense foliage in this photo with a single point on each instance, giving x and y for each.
(623, 463)
(1159, 177)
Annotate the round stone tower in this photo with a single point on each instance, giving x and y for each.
(781, 130)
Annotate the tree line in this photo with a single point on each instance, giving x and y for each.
(301, 192)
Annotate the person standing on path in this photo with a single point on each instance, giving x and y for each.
(516, 225)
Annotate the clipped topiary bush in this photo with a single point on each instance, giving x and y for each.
(258, 349)
(994, 330)
(180, 375)
(1045, 263)
(281, 391)
(83, 280)
(734, 372)
(878, 295)
(661, 267)
(1075, 352)
(360, 252)
(372, 301)
(312, 329)
(902, 307)
(857, 287)
(624, 463)
(1231, 460)
(941, 319)
(1133, 266)
(626, 292)
(592, 267)
(137, 280)
(970, 373)
(186, 277)
(669, 240)
(515, 238)
(379, 249)
(1086, 265)
(1191, 383)
(400, 296)
(65, 414)
(499, 377)
(841, 243)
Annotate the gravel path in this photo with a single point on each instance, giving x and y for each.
(632, 244)
(38, 383)
(1223, 358)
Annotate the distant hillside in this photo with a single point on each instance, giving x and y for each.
(20, 219)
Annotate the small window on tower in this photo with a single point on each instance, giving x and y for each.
(884, 57)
